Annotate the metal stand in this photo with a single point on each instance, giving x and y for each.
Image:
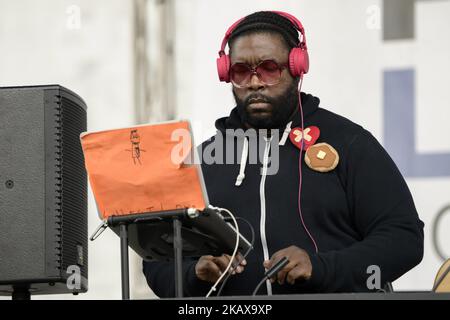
(178, 252)
(124, 221)
(124, 261)
(158, 236)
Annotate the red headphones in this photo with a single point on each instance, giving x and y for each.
(298, 57)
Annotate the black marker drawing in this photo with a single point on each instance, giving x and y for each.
(135, 139)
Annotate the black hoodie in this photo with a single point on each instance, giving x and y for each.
(361, 214)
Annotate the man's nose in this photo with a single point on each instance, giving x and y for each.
(256, 83)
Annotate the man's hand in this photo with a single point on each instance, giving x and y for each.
(299, 266)
(209, 268)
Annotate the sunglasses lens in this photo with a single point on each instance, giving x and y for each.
(240, 73)
(269, 72)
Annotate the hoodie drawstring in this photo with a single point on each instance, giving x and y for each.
(286, 132)
(244, 156)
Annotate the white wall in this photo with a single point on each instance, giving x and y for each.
(42, 44)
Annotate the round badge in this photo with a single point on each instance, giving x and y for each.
(322, 157)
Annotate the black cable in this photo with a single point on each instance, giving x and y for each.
(436, 223)
(252, 242)
(259, 286)
(271, 272)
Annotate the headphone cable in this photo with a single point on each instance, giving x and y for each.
(300, 166)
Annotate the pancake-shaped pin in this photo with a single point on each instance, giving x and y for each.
(322, 157)
(309, 136)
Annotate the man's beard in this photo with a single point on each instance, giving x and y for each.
(282, 109)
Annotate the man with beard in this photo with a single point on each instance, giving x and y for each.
(337, 207)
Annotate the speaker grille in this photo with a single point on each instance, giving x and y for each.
(73, 185)
(43, 212)
(58, 181)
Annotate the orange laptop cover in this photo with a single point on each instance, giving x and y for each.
(141, 169)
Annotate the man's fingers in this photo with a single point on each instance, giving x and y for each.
(241, 260)
(296, 273)
(221, 262)
(281, 275)
(208, 271)
(210, 268)
(213, 269)
(273, 260)
(238, 264)
(238, 260)
(299, 265)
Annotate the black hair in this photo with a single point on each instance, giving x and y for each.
(267, 22)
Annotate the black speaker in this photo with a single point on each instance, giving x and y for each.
(43, 192)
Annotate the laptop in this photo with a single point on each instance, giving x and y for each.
(138, 172)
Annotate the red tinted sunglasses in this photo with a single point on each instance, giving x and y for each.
(268, 72)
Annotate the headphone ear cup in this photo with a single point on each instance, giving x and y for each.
(223, 68)
(298, 62)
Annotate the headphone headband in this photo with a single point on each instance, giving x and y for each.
(298, 56)
(297, 24)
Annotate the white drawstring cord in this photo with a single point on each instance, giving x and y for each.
(241, 175)
(233, 256)
(286, 132)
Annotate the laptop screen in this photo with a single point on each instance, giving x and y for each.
(142, 169)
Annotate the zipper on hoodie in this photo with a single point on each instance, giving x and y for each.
(262, 197)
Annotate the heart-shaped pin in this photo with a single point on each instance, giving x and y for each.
(309, 136)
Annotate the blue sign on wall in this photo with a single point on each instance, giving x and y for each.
(399, 128)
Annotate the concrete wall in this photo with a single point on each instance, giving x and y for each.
(86, 47)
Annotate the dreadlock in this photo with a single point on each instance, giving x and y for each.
(267, 22)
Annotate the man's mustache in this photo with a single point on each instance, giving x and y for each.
(257, 97)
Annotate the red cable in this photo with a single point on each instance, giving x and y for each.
(300, 167)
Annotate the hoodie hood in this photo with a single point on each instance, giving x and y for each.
(309, 105)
